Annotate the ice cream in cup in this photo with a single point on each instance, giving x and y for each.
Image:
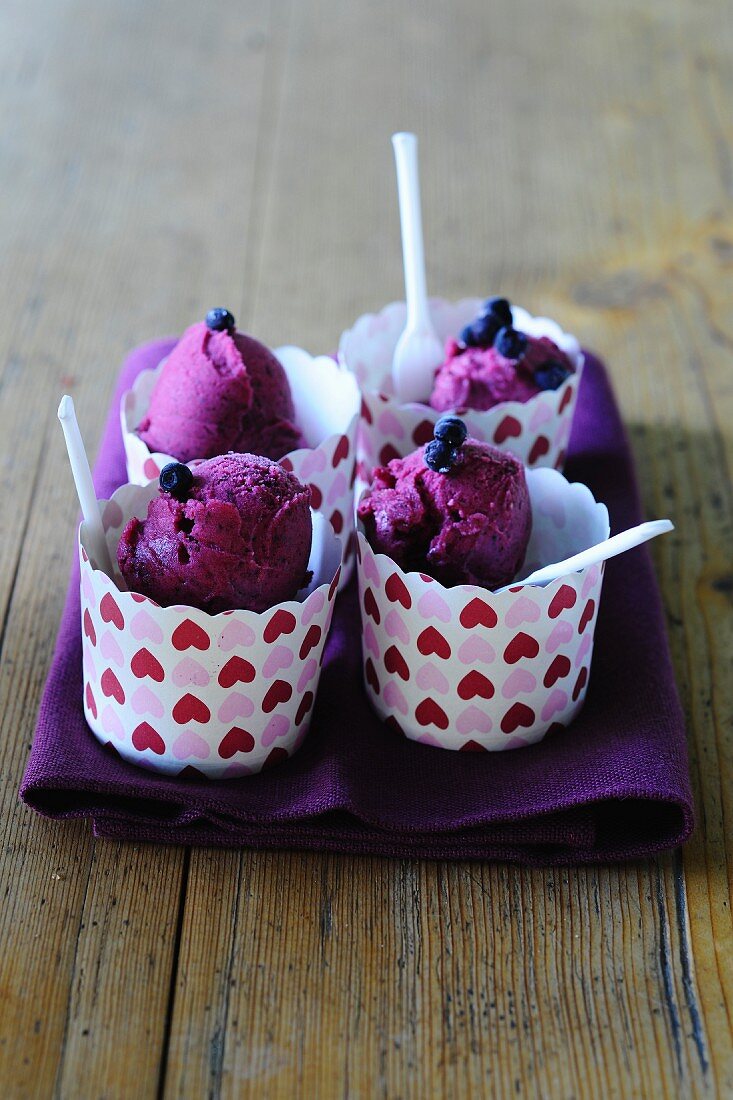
(512, 377)
(203, 639)
(448, 660)
(220, 390)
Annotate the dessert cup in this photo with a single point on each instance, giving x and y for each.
(467, 669)
(326, 399)
(178, 691)
(536, 431)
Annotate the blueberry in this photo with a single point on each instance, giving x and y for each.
(551, 375)
(510, 343)
(220, 320)
(498, 308)
(450, 430)
(440, 456)
(467, 337)
(176, 479)
(481, 332)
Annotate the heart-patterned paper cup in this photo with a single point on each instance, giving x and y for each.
(468, 669)
(326, 399)
(179, 691)
(536, 431)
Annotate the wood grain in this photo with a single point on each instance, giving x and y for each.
(174, 156)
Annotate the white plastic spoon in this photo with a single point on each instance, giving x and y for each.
(609, 548)
(418, 350)
(84, 485)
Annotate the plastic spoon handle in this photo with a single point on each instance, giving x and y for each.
(609, 548)
(84, 484)
(413, 249)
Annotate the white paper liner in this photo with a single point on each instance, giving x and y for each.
(467, 669)
(173, 689)
(536, 431)
(326, 399)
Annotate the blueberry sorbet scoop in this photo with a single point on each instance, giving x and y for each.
(459, 513)
(233, 533)
(220, 391)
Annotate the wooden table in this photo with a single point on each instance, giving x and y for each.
(161, 158)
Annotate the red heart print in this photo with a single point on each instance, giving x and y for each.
(275, 756)
(366, 412)
(395, 662)
(282, 622)
(304, 706)
(508, 427)
(429, 713)
(341, 452)
(333, 589)
(432, 641)
(397, 591)
(472, 746)
(110, 612)
(190, 709)
(145, 737)
(286, 465)
(111, 686)
(565, 597)
(237, 740)
(521, 646)
(587, 615)
(189, 634)
(311, 639)
(145, 664)
(559, 463)
(580, 683)
(316, 496)
(370, 606)
(423, 433)
(566, 399)
(475, 683)
(279, 691)
(387, 453)
(337, 522)
(89, 627)
(559, 668)
(478, 613)
(370, 675)
(519, 714)
(91, 705)
(235, 670)
(540, 447)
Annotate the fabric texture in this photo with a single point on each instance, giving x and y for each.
(613, 786)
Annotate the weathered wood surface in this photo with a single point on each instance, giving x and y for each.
(157, 158)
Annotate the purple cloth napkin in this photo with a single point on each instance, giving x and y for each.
(614, 785)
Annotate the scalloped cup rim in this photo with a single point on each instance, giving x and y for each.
(510, 588)
(575, 352)
(137, 599)
(473, 589)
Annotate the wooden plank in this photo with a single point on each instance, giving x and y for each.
(360, 977)
(124, 222)
(243, 157)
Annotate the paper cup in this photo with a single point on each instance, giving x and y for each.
(468, 669)
(178, 691)
(536, 431)
(326, 399)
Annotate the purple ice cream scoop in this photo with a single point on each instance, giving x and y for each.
(220, 391)
(492, 362)
(468, 525)
(235, 532)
